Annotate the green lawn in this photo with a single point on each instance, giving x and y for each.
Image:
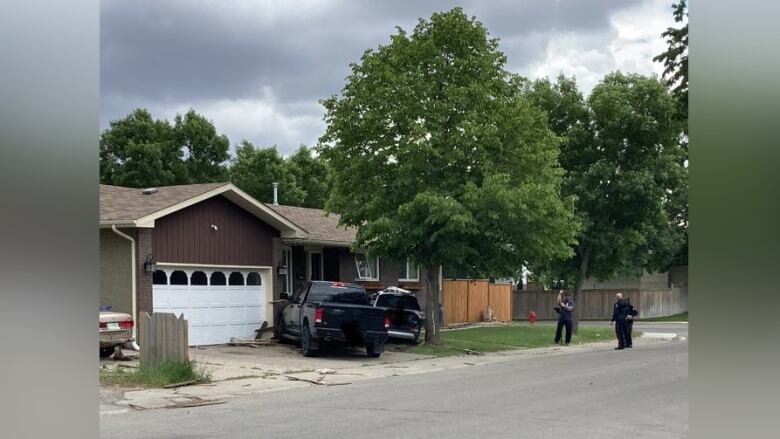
(682, 317)
(164, 374)
(500, 338)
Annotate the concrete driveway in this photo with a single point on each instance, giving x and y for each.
(228, 362)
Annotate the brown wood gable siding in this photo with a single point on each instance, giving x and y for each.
(186, 236)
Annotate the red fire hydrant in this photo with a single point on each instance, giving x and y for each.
(532, 317)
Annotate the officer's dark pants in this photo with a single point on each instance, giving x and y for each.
(561, 324)
(629, 329)
(620, 332)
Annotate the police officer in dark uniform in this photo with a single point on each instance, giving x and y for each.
(620, 311)
(565, 309)
(630, 314)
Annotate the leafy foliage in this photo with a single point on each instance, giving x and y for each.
(312, 176)
(205, 151)
(254, 170)
(675, 58)
(624, 166)
(438, 157)
(138, 151)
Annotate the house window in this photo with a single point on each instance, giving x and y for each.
(179, 277)
(198, 278)
(253, 278)
(218, 278)
(409, 272)
(236, 278)
(159, 278)
(367, 266)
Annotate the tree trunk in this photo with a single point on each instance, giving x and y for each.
(582, 274)
(432, 301)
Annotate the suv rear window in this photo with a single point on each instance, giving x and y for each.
(338, 294)
(398, 302)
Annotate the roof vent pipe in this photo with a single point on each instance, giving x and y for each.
(276, 195)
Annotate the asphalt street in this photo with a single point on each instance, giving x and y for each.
(638, 393)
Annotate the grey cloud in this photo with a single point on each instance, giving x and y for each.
(165, 54)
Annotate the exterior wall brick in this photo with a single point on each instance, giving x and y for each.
(276, 245)
(144, 280)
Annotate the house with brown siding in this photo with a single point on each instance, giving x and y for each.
(222, 258)
(209, 251)
(325, 253)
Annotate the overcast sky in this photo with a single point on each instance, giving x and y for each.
(258, 68)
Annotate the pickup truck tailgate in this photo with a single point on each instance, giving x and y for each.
(361, 317)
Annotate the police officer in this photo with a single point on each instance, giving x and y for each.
(630, 314)
(620, 311)
(565, 308)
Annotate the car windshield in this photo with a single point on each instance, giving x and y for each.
(338, 294)
(398, 302)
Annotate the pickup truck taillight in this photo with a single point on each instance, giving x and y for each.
(127, 324)
(387, 321)
(103, 325)
(318, 315)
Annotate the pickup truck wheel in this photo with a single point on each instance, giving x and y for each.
(280, 330)
(306, 342)
(371, 351)
(106, 352)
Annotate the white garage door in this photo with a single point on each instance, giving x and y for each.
(218, 303)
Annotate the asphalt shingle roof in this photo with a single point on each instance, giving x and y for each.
(123, 203)
(320, 227)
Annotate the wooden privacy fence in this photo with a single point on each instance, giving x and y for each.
(163, 338)
(597, 304)
(468, 300)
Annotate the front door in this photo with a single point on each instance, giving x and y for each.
(316, 266)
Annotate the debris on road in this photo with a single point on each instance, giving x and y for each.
(325, 371)
(251, 343)
(194, 402)
(472, 352)
(180, 384)
(319, 383)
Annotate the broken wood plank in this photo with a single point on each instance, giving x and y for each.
(292, 378)
(180, 384)
(193, 404)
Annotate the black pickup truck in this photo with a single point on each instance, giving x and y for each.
(332, 312)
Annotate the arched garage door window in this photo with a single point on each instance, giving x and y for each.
(236, 278)
(179, 277)
(253, 278)
(198, 278)
(218, 278)
(159, 278)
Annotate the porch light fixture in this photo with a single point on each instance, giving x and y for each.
(281, 270)
(149, 265)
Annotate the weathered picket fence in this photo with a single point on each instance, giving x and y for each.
(163, 338)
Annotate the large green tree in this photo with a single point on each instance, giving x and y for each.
(675, 58)
(312, 175)
(139, 151)
(623, 164)
(436, 156)
(206, 152)
(254, 170)
(675, 61)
